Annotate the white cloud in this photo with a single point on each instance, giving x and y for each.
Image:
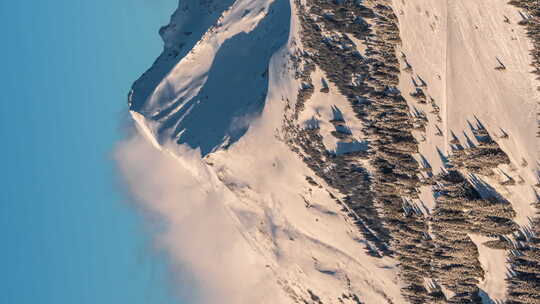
(199, 234)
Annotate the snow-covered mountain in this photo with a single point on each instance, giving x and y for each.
(361, 151)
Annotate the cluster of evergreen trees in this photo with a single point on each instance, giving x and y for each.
(460, 210)
(481, 158)
(524, 281)
(455, 259)
(395, 177)
(381, 200)
(343, 172)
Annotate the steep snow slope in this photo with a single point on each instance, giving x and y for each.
(297, 115)
(309, 242)
(455, 47)
(219, 79)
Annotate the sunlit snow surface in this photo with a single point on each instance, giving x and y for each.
(221, 85)
(460, 41)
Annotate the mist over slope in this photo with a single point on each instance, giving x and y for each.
(368, 151)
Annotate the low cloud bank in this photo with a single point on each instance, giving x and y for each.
(195, 229)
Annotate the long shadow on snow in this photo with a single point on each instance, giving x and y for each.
(237, 84)
(194, 22)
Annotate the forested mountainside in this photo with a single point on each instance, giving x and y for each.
(365, 151)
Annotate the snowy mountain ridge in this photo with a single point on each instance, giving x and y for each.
(368, 151)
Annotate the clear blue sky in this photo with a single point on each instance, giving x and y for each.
(68, 236)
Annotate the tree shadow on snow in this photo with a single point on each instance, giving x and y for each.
(486, 299)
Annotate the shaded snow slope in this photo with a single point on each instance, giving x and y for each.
(212, 93)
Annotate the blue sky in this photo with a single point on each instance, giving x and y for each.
(68, 235)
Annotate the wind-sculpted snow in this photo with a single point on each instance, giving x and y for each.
(236, 85)
(215, 91)
(369, 151)
(187, 26)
